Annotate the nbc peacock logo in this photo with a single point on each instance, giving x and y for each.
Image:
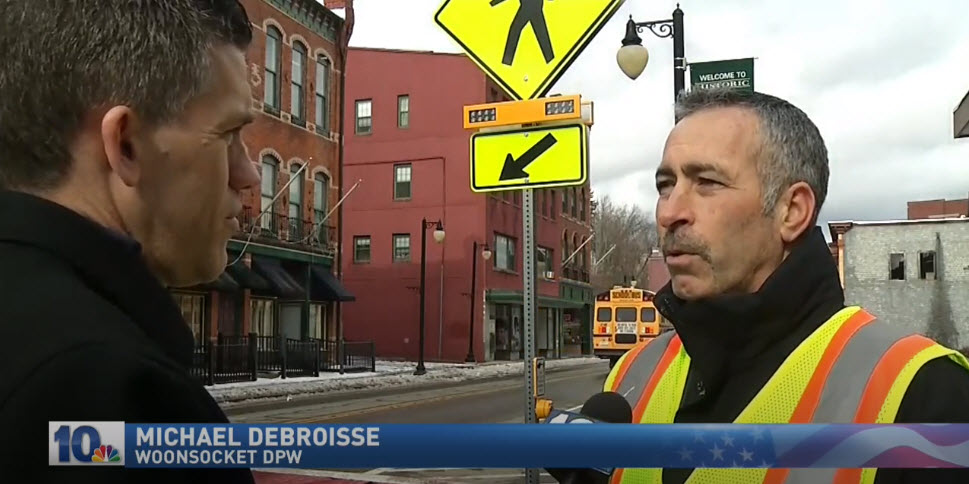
(106, 453)
(86, 443)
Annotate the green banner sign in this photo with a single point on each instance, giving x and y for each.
(730, 74)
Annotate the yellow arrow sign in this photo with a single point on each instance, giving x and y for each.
(536, 157)
(524, 45)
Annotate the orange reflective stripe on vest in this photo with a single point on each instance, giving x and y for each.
(848, 370)
(807, 406)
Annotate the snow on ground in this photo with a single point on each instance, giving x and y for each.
(388, 374)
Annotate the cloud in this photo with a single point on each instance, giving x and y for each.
(880, 78)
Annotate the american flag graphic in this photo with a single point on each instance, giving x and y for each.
(722, 446)
(819, 446)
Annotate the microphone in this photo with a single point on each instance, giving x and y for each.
(605, 407)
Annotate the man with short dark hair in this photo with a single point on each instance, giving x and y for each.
(762, 331)
(121, 172)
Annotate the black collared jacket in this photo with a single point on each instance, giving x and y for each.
(88, 334)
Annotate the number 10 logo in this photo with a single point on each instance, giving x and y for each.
(86, 443)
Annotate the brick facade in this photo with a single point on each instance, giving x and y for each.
(937, 306)
(926, 209)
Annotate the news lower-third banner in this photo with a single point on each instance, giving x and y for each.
(604, 446)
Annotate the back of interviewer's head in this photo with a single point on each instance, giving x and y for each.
(130, 112)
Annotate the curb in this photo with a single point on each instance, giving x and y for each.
(335, 395)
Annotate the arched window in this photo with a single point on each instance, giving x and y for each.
(321, 185)
(296, 203)
(270, 172)
(565, 246)
(297, 108)
(323, 95)
(274, 42)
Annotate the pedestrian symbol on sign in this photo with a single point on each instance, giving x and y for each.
(529, 12)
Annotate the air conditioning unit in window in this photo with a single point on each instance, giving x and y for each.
(549, 275)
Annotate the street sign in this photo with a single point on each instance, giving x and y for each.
(537, 157)
(731, 74)
(524, 62)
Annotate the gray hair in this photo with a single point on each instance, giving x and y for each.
(64, 59)
(792, 148)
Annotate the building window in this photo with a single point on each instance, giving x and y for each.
(193, 312)
(565, 246)
(322, 95)
(321, 186)
(263, 317)
(402, 182)
(270, 169)
(361, 249)
(582, 204)
(401, 247)
(403, 111)
(897, 267)
(927, 265)
(543, 261)
(551, 204)
(297, 108)
(504, 253)
(565, 201)
(573, 205)
(274, 40)
(364, 116)
(317, 327)
(296, 203)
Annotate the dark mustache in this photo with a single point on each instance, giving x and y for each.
(678, 242)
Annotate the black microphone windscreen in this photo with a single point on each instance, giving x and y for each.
(608, 407)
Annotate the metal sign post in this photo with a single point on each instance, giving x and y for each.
(528, 293)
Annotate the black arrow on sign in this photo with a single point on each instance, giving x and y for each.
(515, 169)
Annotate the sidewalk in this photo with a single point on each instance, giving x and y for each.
(392, 374)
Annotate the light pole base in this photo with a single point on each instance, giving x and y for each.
(420, 370)
(469, 358)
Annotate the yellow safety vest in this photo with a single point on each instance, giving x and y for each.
(847, 371)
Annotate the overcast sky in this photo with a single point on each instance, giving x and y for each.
(880, 78)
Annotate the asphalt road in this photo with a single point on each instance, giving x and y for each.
(499, 401)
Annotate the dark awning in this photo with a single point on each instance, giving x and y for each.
(281, 283)
(224, 283)
(246, 278)
(326, 287)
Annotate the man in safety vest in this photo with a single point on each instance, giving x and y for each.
(762, 333)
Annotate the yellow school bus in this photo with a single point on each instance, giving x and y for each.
(624, 316)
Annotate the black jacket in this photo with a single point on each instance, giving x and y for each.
(736, 342)
(88, 334)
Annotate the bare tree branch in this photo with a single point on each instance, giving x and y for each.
(632, 230)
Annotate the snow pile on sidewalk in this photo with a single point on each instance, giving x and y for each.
(388, 374)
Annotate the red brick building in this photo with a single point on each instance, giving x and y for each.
(406, 142)
(925, 209)
(283, 285)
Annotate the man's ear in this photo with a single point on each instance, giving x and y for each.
(795, 211)
(119, 128)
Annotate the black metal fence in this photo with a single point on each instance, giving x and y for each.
(240, 358)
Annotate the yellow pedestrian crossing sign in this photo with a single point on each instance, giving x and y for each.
(536, 157)
(524, 45)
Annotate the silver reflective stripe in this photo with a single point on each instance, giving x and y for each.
(845, 385)
(642, 367)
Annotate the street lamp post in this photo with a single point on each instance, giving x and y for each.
(438, 237)
(632, 56)
(485, 254)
